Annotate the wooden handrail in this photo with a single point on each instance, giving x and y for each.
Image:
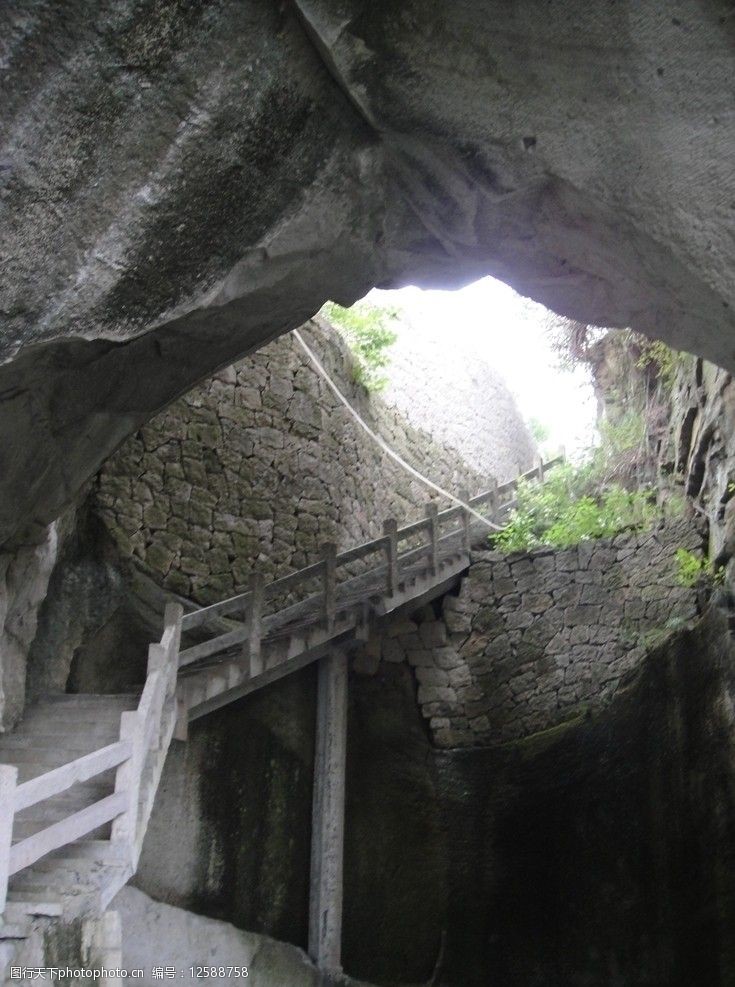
(377, 545)
(60, 779)
(141, 734)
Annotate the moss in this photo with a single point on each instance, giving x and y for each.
(535, 743)
(62, 945)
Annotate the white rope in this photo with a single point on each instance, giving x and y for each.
(383, 445)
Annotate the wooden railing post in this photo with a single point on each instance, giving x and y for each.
(390, 531)
(127, 780)
(464, 496)
(540, 468)
(8, 781)
(255, 619)
(329, 552)
(432, 510)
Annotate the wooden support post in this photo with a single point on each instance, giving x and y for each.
(127, 780)
(327, 828)
(540, 468)
(432, 510)
(390, 530)
(254, 617)
(8, 781)
(329, 551)
(464, 495)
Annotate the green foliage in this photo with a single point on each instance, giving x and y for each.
(367, 331)
(657, 355)
(538, 430)
(569, 508)
(693, 569)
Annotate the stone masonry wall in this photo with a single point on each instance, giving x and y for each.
(262, 463)
(533, 639)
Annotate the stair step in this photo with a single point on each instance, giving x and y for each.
(51, 758)
(33, 903)
(52, 810)
(75, 741)
(23, 829)
(100, 850)
(59, 883)
(14, 930)
(28, 771)
(88, 699)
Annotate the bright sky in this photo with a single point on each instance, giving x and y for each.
(511, 333)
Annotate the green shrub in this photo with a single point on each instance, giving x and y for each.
(367, 331)
(693, 569)
(569, 508)
(660, 357)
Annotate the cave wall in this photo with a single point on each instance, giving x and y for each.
(263, 465)
(688, 411)
(183, 182)
(25, 571)
(158, 935)
(603, 853)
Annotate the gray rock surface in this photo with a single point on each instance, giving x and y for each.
(159, 935)
(182, 181)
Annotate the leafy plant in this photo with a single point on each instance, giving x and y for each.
(538, 430)
(569, 508)
(659, 356)
(695, 569)
(368, 333)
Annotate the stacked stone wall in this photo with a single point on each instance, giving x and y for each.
(261, 465)
(533, 639)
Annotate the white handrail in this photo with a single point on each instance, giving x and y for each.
(144, 733)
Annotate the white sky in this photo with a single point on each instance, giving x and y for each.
(511, 333)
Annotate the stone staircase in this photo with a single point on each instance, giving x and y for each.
(83, 875)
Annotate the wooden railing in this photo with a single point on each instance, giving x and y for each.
(144, 736)
(251, 606)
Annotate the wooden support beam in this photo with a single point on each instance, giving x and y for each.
(540, 468)
(8, 781)
(327, 828)
(390, 531)
(432, 510)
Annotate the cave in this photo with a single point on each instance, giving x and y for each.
(539, 766)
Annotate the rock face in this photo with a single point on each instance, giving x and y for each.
(263, 464)
(24, 579)
(594, 853)
(532, 640)
(156, 935)
(182, 182)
